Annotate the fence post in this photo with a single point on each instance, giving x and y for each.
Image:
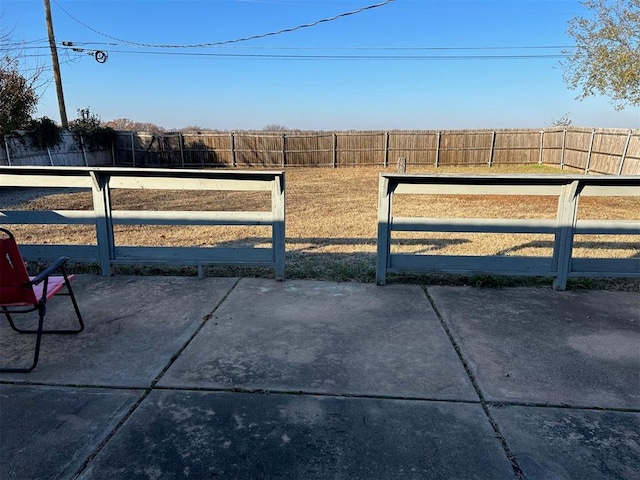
(541, 147)
(384, 231)
(386, 149)
(335, 149)
(133, 151)
(586, 167)
(565, 228)
(6, 147)
(284, 149)
(564, 138)
(493, 142)
(278, 211)
(84, 153)
(437, 149)
(104, 222)
(233, 150)
(181, 143)
(624, 153)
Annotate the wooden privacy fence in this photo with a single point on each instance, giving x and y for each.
(568, 189)
(101, 181)
(608, 151)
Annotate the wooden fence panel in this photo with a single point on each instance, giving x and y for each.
(606, 147)
(203, 150)
(360, 148)
(419, 148)
(513, 147)
(309, 150)
(258, 150)
(631, 165)
(465, 148)
(552, 143)
(577, 149)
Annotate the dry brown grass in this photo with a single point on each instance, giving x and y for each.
(332, 221)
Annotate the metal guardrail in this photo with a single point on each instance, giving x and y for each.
(564, 227)
(107, 253)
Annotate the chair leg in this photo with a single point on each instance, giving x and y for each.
(11, 324)
(36, 354)
(59, 332)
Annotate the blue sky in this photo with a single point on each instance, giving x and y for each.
(314, 78)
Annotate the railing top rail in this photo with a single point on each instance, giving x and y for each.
(142, 172)
(457, 179)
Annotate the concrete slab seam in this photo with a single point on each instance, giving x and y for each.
(311, 393)
(152, 386)
(517, 470)
(502, 403)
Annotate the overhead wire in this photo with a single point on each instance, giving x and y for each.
(78, 46)
(346, 57)
(226, 42)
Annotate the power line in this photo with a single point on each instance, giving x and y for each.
(346, 48)
(348, 57)
(237, 40)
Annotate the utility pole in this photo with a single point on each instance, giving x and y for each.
(56, 65)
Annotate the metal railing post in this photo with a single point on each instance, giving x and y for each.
(385, 196)
(104, 222)
(279, 230)
(563, 242)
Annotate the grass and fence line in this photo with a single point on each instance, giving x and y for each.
(602, 151)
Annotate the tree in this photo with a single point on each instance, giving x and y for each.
(563, 121)
(18, 98)
(272, 127)
(606, 58)
(18, 91)
(132, 126)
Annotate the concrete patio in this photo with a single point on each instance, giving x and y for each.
(227, 378)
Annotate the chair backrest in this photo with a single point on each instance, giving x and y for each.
(14, 278)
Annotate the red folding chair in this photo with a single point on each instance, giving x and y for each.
(20, 293)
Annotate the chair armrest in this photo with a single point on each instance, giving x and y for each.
(49, 270)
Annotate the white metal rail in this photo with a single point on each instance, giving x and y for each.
(100, 181)
(568, 189)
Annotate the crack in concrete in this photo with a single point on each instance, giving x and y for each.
(517, 470)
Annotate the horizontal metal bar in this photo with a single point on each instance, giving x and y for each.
(144, 217)
(457, 179)
(484, 225)
(609, 190)
(9, 179)
(462, 264)
(476, 189)
(608, 227)
(181, 183)
(48, 253)
(605, 267)
(195, 255)
(53, 217)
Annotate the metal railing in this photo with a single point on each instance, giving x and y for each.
(564, 227)
(100, 181)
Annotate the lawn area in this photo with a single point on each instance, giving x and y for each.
(331, 223)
